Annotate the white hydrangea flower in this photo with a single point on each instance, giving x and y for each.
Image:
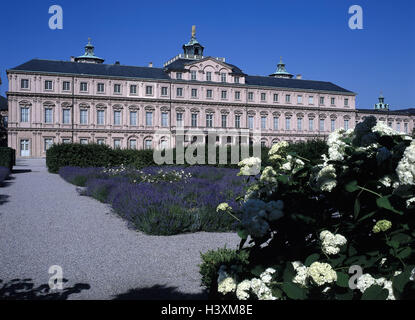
(274, 152)
(384, 130)
(286, 166)
(386, 181)
(331, 243)
(266, 276)
(261, 290)
(268, 176)
(326, 178)
(412, 278)
(406, 167)
(302, 273)
(242, 290)
(322, 273)
(250, 166)
(364, 282)
(226, 283)
(410, 202)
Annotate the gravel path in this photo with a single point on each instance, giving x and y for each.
(44, 222)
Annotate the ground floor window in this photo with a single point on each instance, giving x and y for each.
(83, 141)
(148, 144)
(48, 143)
(133, 144)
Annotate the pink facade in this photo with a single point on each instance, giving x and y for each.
(128, 112)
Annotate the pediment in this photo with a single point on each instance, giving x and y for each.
(210, 63)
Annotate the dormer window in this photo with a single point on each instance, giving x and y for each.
(193, 75)
(179, 76)
(223, 77)
(236, 79)
(208, 76)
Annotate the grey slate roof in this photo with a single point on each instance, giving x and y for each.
(115, 70)
(3, 103)
(96, 69)
(293, 83)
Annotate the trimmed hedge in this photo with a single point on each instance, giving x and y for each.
(7, 157)
(94, 155)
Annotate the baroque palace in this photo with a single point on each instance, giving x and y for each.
(84, 100)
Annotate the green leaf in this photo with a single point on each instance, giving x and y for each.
(406, 252)
(383, 202)
(342, 280)
(352, 186)
(289, 273)
(356, 208)
(393, 244)
(257, 270)
(375, 292)
(344, 296)
(293, 291)
(399, 282)
(366, 216)
(311, 258)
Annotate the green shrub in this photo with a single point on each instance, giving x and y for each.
(7, 157)
(213, 259)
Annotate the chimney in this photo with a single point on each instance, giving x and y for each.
(299, 76)
(150, 65)
(72, 59)
(117, 62)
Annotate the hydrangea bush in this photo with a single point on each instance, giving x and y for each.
(338, 228)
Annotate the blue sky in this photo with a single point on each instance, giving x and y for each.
(313, 38)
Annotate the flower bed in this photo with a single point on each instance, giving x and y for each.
(164, 201)
(338, 228)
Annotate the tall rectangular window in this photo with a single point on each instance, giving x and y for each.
(398, 127)
(250, 96)
(237, 95)
(164, 119)
(310, 124)
(66, 116)
(117, 117)
(48, 85)
(133, 144)
(83, 87)
(275, 97)
(179, 92)
(332, 125)
(263, 122)
(66, 86)
(193, 75)
(321, 100)
(405, 127)
(263, 96)
(299, 124)
(251, 122)
(179, 76)
(164, 91)
(209, 120)
(346, 102)
(194, 93)
(148, 144)
(310, 100)
(133, 118)
(287, 123)
(48, 115)
(83, 115)
(209, 93)
(208, 76)
(24, 84)
(332, 101)
(236, 79)
(194, 120)
(24, 114)
(133, 89)
(223, 77)
(117, 143)
(223, 94)
(276, 119)
(117, 88)
(100, 87)
(321, 124)
(149, 118)
(149, 90)
(346, 124)
(237, 121)
(224, 118)
(48, 143)
(287, 98)
(100, 117)
(300, 99)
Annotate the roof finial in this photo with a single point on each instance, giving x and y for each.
(193, 31)
(89, 40)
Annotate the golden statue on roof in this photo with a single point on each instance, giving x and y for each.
(193, 31)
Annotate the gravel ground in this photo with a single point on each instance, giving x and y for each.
(45, 222)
